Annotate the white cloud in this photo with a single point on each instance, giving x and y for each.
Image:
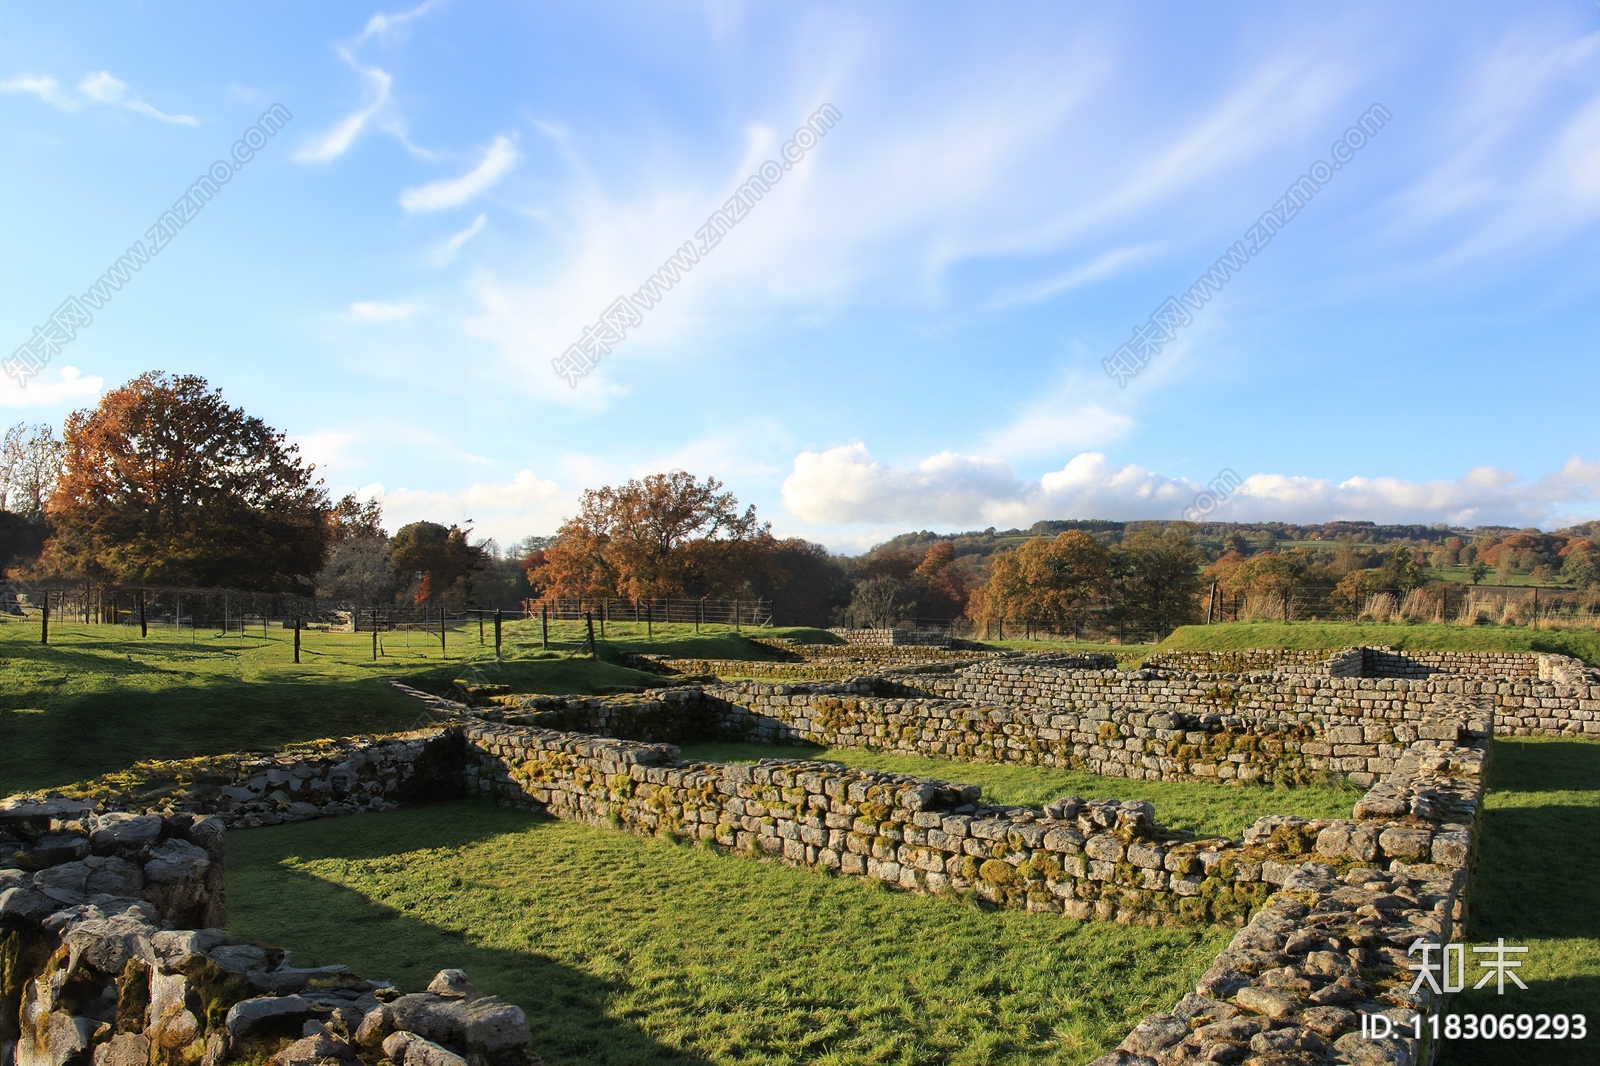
(43, 86)
(333, 144)
(69, 387)
(381, 23)
(103, 88)
(845, 486)
(374, 311)
(453, 192)
(446, 252)
(524, 506)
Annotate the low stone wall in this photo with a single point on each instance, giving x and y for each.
(302, 781)
(1172, 736)
(112, 953)
(1336, 942)
(1245, 661)
(1521, 704)
(893, 637)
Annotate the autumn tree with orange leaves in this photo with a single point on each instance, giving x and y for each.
(164, 483)
(665, 535)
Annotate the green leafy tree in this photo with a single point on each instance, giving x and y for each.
(1156, 576)
(435, 563)
(1581, 569)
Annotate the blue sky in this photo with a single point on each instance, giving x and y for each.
(909, 329)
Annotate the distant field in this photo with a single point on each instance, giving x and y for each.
(625, 950)
(1199, 807)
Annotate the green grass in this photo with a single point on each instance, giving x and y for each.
(1538, 885)
(1194, 806)
(1583, 642)
(678, 640)
(99, 698)
(625, 950)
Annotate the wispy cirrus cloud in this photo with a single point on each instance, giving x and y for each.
(497, 161)
(445, 253)
(376, 109)
(96, 87)
(43, 86)
(104, 88)
(337, 140)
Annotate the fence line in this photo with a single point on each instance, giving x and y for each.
(701, 611)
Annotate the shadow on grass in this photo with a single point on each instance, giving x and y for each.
(1537, 885)
(52, 738)
(1519, 765)
(566, 1008)
(1575, 995)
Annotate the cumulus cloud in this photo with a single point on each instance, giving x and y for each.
(103, 88)
(845, 486)
(527, 504)
(68, 387)
(453, 192)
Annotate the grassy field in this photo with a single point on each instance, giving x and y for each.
(1195, 806)
(625, 950)
(1538, 885)
(1583, 642)
(99, 697)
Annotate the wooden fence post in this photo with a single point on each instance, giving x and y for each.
(296, 638)
(544, 627)
(443, 653)
(144, 630)
(594, 649)
(44, 620)
(497, 633)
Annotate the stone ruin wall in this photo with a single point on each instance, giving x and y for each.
(112, 953)
(897, 638)
(1379, 661)
(1336, 902)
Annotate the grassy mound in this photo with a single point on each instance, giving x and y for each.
(1423, 636)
